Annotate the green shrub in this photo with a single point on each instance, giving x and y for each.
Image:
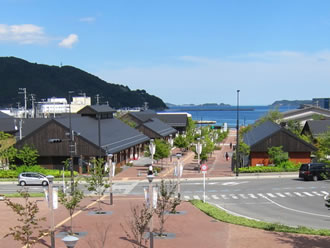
(261, 169)
(157, 169)
(35, 168)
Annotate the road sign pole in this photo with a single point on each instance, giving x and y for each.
(204, 172)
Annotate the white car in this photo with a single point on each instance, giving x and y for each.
(35, 178)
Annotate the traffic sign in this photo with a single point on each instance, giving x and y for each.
(204, 167)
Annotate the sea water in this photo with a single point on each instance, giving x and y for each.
(220, 114)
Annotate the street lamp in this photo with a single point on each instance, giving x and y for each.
(71, 143)
(152, 149)
(51, 206)
(110, 176)
(70, 241)
(237, 134)
(199, 151)
(151, 235)
(179, 173)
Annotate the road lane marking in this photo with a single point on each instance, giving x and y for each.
(316, 193)
(252, 196)
(243, 196)
(187, 197)
(196, 197)
(236, 214)
(233, 196)
(288, 194)
(280, 194)
(224, 197)
(215, 197)
(298, 194)
(261, 195)
(309, 194)
(271, 195)
(295, 210)
(324, 192)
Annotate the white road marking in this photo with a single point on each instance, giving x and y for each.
(316, 193)
(196, 197)
(233, 183)
(215, 197)
(298, 194)
(261, 195)
(309, 194)
(280, 194)
(271, 195)
(243, 196)
(295, 210)
(252, 196)
(324, 192)
(288, 194)
(224, 197)
(236, 214)
(186, 197)
(233, 196)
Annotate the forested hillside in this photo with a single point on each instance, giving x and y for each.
(47, 81)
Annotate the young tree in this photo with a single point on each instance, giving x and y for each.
(137, 225)
(71, 200)
(277, 155)
(7, 151)
(28, 155)
(166, 203)
(29, 222)
(181, 142)
(272, 115)
(96, 181)
(323, 152)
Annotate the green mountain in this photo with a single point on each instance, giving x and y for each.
(291, 102)
(47, 81)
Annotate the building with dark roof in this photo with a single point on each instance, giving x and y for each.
(270, 134)
(156, 129)
(305, 114)
(4, 115)
(117, 138)
(316, 128)
(179, 121)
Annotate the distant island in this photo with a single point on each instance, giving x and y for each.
(290, 103)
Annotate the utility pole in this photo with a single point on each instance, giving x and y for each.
(23, 91)
(237, 135)
(71, 144)
(97, 99)
(33, 107)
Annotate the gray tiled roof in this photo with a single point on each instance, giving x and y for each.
(28, 125)
(260, 132)
(144, 116)
(159, 127)
(4, 115)
(102, 108)
(115, 135)
(175, 120)
(306, 110)
(318, 127)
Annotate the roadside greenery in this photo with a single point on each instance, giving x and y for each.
(263, 169)
(19, 195)
(223, 216)
(277, 155)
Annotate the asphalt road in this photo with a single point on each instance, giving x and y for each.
(288, 201)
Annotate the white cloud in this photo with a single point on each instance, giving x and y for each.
(87, 19)
(69, 41)
(23, 34)
(262, 78)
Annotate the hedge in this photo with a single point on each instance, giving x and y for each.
(35, 168)
(260, 169)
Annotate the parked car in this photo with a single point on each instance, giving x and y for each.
(34, 178)
(314, 171)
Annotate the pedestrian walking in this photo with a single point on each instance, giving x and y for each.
(231, 145)
(227, 156)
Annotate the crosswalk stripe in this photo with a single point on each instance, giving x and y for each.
(324, 192)
(207, 197)
(224, 197)
(280, 194)
(309, 194)
(186, 197)
(214, 197)
(259, 194)
(252, 196)
(233, 196)
(298, 194)
(317, 193)
(271, 195)
(243, 196)
(196, 197)
(288, 194)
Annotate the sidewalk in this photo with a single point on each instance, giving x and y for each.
(193, 229)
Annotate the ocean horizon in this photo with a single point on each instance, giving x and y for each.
(228, 114)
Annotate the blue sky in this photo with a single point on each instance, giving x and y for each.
(181, 51)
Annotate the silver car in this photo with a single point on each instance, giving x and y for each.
(26, 178)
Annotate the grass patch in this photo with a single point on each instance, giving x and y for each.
(17, 195)
(223, 216)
